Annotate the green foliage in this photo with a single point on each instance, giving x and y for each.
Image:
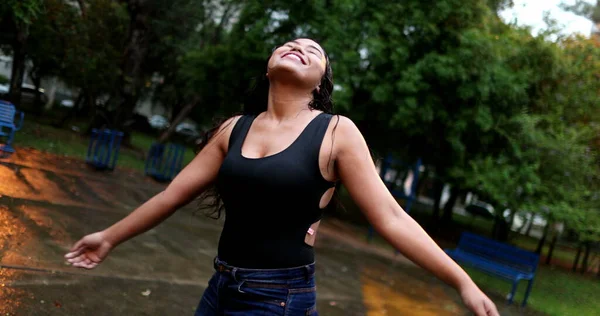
(4, 80)
(554, 292)
(487, 106)
(21, 11)
(550, 165)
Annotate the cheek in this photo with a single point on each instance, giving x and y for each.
(273, 57)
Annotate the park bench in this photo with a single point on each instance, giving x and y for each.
(9, 125)
(395, 174)
(497, 259)
(164, 161)
(103, 149)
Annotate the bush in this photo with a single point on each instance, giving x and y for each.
(4, 80)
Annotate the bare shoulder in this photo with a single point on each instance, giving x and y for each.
(221, 134)
(347, 134)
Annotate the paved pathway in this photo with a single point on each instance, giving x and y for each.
(48, 202)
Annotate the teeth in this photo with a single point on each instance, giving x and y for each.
(294, 56)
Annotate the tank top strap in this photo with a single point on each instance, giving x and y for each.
(239, 132)
(312, 138)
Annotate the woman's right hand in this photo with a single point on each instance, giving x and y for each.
(89, 251)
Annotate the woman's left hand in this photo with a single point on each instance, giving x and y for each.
(478, 302)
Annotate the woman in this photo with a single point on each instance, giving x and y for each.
(275, 170)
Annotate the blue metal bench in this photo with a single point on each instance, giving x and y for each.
(164, 161)
(498, 259)
(394, 174)
(9, 124)
(103, 149)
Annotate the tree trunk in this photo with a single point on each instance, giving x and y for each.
(586, 257)
(131, 79)
(526, 223)
(82, 7)
(529, 225)
(18, 67)
(37, 103)
(51, 95)
(576, 262)
(185, 111)
(72, 111)
(540, 245)
(423, 177)
(511, 219)
(449, 206)
(500, 228)
(551, 249)
(438, 189)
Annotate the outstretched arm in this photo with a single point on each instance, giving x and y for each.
(189, 183)
(358, 174)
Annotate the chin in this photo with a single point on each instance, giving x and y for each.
(285, 72)
(290, 72)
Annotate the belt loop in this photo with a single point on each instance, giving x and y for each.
(306, 273)
(233, 274)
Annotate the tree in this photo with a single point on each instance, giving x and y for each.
(16, 18)
(551, 165)
(93, 45)
(587, 10)
(183, 57)
(48, 41)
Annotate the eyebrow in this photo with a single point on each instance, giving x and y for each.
(311, 46)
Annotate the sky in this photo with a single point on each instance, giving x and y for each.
(531, 12)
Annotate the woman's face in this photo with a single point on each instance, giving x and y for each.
(301, 59)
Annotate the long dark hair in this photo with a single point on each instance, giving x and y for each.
(255, 103)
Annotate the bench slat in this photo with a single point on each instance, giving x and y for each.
(7, 112)
(495, 250)
(497, 259)
(490, 266)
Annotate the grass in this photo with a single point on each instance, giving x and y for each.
(72, 144)
(555, 292)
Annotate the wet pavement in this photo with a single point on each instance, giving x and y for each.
(47, 202)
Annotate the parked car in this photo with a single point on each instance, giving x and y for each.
(188, 130)
(480, 209)
(28, 93)
(158, 122)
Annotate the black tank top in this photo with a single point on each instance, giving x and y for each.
(271, 202)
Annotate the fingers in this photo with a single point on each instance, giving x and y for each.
(491, 308)
(77, 259)
(75, 253)
(86, 264)
(480, 309)
(78, 244)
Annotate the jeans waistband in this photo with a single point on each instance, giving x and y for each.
(306, 271)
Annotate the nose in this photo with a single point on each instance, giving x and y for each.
(298, 48)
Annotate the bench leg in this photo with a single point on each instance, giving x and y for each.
(513, 292)
(527, 292)
(8, 146)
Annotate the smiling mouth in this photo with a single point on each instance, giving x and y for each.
(294, 56)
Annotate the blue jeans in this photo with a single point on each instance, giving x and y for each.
(238, 291)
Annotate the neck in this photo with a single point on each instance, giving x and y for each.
(287, 100)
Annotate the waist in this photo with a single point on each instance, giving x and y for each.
(294, 273)
(271, 247)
